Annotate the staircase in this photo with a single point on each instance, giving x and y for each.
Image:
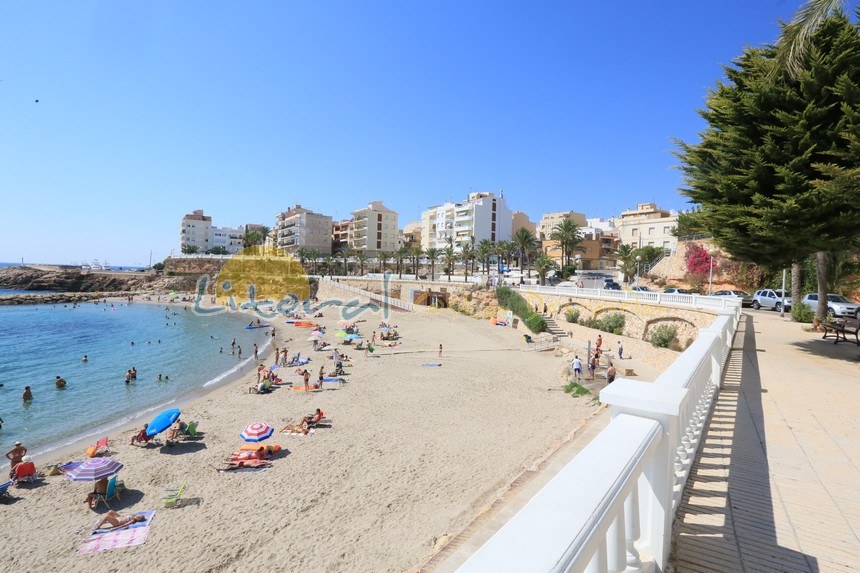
(552, 327)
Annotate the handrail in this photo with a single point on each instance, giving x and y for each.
(385, 299)
(670, 299)
(612, 507)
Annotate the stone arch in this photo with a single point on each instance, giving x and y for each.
(633, 328)
(585, 311)
(686, 329)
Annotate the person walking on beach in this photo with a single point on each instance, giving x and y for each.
(307, 376)
(620, 350)
(233, 345)
(592, 365)
(16, 454)
(599, 341)
(255, 352)
(277, 355)
(28, 395)
(440, 351)
(239, 352)
(610, 374)
(577, 368)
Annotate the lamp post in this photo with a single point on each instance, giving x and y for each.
(711, 253)
(638, 260)
(578, 259)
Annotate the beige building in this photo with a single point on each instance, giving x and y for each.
(520, 220)
(647, 225)
(411, 236)
(374, 229)
(482, 216)
(340, 234)
(549, 220)
(302, 228)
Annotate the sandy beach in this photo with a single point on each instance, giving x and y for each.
(413, 453)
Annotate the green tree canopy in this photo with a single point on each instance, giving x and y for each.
(775, 172)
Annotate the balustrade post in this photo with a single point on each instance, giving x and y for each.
(616, 550)
(631, 531)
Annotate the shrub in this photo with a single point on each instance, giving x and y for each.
(663, 335)
(802, 313)
(572, 315)
(567, 271)
(512, 301)
(575, 389)
(612, 323)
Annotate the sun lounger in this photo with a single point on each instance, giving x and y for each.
(173, 498)
(24, 472)
(4, 491)
(190, 432)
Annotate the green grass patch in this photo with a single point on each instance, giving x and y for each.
(576, 389)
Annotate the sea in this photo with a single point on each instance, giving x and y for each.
(40, 342)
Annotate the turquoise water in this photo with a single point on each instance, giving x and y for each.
(40, 342)
(13, 291)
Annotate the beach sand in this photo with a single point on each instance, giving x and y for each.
(413, 454)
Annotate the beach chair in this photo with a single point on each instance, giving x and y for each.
(191, 430)
(109, 494)
(173, 497)
(25, 472)
(97, 449)
(4, 491)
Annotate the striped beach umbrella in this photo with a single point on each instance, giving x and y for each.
(94, 469)
(257, 432)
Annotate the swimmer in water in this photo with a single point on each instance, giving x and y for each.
(60, 383)
(28, 394)
(85, 359)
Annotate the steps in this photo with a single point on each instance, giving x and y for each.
(552, 327)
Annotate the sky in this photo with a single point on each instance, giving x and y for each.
(118, 118)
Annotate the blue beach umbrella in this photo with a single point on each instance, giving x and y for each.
(352, 336)
(162, 422)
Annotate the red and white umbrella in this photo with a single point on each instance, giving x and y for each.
(94, 469)
(257, 432)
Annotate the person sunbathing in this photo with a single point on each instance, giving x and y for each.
(113, 520)
(141, 436)
(306, 423)
(242, 464)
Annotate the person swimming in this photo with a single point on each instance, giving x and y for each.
(60, 383)
(85, 359)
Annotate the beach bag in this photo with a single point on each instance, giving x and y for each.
(370, 348)
(91, 452)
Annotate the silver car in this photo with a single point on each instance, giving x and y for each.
(837, 305)
(770, 298)
(746, 298)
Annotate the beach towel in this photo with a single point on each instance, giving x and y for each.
(432, 364)
(147, 514)
(332, 379)
(300, 434)
(114, 540)
(68, 466)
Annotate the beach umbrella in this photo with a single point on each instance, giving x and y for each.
(316, 333)
(312, 338)
(173, 292)
(341, 334)
(257, 432)
(94, 469)
(162, 422)
(352, 336)
(384, 329)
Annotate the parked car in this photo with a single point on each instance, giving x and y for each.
(674, 290)
(612, 286)
(608, 280)
(837, 305)
(746, 298)
(770, 298)
(641, 289)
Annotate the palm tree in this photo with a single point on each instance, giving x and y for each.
(467, 255)
(625, 255)
(483, 252)
(329, 262)
(252, 238)
(472, 248)
(314, 255)
(526, 243)
(264, 233)
(569, 238)
(797, 36)
(383, 257)
(345, 253)
(361, 257)
(401, 254)
(433, 255)
(302, 254)
(416, 253)
(544, 264)
(450, 257)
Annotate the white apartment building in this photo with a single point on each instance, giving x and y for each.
(302, 228)
(647, 225)
(195, 231)
(548, 221)
(228, 237)
(373, 229)
(482, 216)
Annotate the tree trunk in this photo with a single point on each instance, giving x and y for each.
(821, 273)
(795, 283)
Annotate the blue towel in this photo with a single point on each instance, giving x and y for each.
(431, 364)
(145, 523)
(331, 379)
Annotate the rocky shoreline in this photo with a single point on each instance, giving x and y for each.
(58, 297)
(94, 282)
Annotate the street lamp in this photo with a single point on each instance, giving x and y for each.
(711, 252)
(638, 260)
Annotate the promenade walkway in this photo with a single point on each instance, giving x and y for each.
(776, 483)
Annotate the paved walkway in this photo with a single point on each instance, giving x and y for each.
(776, 484)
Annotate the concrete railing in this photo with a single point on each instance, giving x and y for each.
(611, 508)
(685, 300)
(384, 299)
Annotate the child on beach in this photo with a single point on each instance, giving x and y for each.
(577, 368)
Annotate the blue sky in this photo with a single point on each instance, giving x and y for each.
(148, 110)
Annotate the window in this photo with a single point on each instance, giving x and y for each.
(650, 230)
(635, 231)
(667, 230)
